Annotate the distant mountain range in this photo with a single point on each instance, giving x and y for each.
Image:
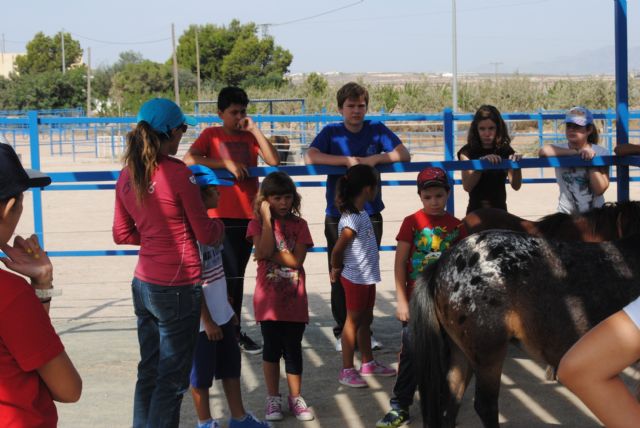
(595, 61)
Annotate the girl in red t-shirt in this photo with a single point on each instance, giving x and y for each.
(281, 239)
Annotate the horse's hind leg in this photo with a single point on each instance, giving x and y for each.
(458, 378)
(488, 388)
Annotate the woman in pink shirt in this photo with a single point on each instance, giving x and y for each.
(158, 207)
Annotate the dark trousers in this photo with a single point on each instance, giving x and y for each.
(235, 256)
(405, 386)
(338, 303)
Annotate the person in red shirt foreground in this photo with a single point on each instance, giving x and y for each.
(35, 370)
(158, 207)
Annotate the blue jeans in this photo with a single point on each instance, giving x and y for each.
(168, 322)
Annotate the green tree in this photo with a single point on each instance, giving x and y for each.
(102, 76)
(44, 53)
(45, 90)
(233, 55)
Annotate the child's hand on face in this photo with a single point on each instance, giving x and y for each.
(27, 258)
(265, 211)
(246, 124)
(587, 153)
(494, 159)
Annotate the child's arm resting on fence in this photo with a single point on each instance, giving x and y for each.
(316, 157)
(398, 154)
(195, 157)
(627, 149)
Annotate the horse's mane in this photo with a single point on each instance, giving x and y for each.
(605, 221)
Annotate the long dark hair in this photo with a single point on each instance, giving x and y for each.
(278, 183)
(486, 111)
(351, 185)
(141, 156)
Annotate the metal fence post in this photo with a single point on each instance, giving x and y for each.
(34, 149)
(449, 148)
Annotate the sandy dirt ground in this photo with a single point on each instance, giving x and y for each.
(95, 320)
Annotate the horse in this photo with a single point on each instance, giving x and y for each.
(608, 222)
(611, 221)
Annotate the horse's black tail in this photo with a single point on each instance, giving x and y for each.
(429, 350)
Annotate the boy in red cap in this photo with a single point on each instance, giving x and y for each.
(423, 236)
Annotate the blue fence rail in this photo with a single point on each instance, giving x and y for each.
(421, 133)
(447, 119)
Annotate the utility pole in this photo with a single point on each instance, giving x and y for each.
(454, 54)
(3, 51)
(495, 70)
(198, 63)
(176, 87)
(89, 82)
(64, 66)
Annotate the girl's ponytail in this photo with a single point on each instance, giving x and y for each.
(350, 185)
(141, 157)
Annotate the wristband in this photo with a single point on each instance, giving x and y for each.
(47, 293)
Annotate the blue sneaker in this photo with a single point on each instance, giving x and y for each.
(249, 421)
(212, 423)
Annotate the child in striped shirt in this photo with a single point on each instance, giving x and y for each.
(355, 262)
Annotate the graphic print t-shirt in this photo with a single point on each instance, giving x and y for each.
(575, 194)
(280, 293)
(235, 201)
(429, 236)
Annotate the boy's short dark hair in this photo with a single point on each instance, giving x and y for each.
(352, 90)
(232, 95)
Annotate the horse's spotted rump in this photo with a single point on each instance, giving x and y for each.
(474, 259)
(460, 263)
(476, 280)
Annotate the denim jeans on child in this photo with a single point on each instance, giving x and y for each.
(168, 322)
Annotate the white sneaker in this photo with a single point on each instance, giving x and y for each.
(375, 345)
(338, 344)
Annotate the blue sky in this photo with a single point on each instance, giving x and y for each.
(371, 35)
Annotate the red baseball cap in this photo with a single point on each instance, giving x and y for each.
(433, 176)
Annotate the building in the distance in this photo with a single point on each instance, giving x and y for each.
(7, 62)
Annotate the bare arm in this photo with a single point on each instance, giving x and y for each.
(515, 175)
(62, 379)
(195, 157)
(470, 177)
(549, 150)
(398, 154)
(627, 149)
(316, 157)
(599, 180)
(265, 243)
(267, 151)
(400, 274)
(291, 260)
(337, 255)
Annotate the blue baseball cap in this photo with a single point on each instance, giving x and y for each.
(205, 176)
(580, 116)
(163, 115)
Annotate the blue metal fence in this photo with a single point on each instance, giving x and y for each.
(101, 180)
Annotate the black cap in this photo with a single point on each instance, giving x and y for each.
(14, 179)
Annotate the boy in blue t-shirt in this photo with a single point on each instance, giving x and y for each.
(217, 354)
(351, 142)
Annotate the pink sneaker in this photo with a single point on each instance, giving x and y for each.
(374, 368)
(351, 377)
(273, 410)
(299, 407)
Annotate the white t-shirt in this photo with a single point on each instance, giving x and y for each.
(633, 310)
(575, 194)
(361, 257)
(214, 286)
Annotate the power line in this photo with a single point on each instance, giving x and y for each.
(306, 18)
(107, 42)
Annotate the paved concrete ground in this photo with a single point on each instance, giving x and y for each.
(95, 320)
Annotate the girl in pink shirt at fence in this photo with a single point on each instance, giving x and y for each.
(281, 239)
